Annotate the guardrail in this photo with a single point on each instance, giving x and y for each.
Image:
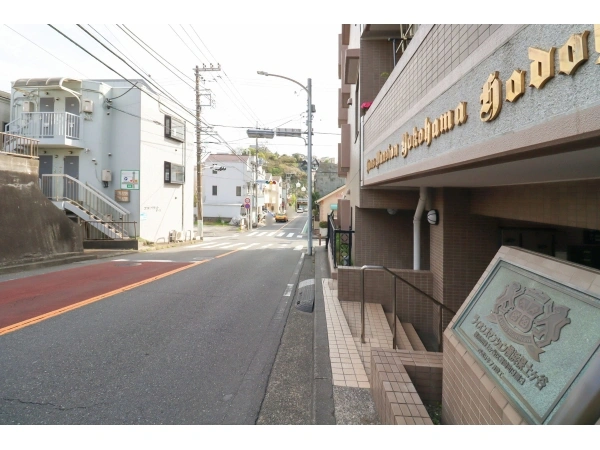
(396, 277)
(19, 145)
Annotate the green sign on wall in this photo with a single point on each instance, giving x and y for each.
(533, 336)
(130, 179)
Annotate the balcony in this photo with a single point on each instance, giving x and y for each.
(52, 129)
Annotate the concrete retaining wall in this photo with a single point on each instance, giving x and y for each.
(31, 227)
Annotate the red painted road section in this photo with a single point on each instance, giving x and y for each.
(30, 297)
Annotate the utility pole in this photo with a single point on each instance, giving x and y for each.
(197, 71)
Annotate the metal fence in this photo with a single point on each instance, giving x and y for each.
(95, 229)
(12, 143)
(340, 243)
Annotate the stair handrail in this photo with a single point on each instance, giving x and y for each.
(396, 276)
(108, 199)
(92, 193)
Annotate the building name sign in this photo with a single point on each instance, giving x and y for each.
(419, 136)
(542, 68)
(531, 336)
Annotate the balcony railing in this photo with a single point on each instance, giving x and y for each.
(19, 145)
(40, 125)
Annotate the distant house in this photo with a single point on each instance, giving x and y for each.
(328, 203)
(227, 181)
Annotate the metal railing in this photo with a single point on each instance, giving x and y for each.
(19, 145)
(61, 187)
(93, 229)
(46, 125)
(341, 243)
(396, 277)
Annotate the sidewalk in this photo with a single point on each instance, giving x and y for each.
(317, 379)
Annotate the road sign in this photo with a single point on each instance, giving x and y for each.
(247, 205)
(247, 200)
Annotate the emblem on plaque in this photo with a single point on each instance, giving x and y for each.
(529, 317)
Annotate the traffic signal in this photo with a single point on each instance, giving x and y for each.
(270, 182)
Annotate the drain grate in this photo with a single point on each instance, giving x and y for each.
(305, 296)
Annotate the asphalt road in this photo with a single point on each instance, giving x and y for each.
(193, 347)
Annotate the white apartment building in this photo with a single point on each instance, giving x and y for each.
(111, 151)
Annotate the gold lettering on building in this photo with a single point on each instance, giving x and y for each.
(419, 136)
(460, 113)
(491, 98)
(573, 53)
(597, 39)
(515, 85)
(542, 66)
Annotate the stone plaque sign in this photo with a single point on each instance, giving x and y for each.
(533, 336)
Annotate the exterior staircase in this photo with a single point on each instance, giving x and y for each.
(103, 217)
(402, 380)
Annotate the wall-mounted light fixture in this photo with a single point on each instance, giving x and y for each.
(392, 212)
(110, 154)
(44, 152)
(433, 217)
(70, 152)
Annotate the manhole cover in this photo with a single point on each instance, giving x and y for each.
(129, 264)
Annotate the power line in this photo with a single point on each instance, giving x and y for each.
(141, 40)
(192, 87)
(163, 91)
(54, 56)
(115, 71)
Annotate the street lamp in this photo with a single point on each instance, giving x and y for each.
(263, 133)
(310, 109)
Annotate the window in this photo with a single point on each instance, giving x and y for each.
(238, 191)
(174, 173)
(214, 190)
(174, 128)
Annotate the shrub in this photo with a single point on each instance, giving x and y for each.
(323, 224)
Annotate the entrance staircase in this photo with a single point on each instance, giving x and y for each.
(103, 217)
(402, 381)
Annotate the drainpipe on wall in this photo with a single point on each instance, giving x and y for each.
(417, 229)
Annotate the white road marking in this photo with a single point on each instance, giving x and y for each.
(280, 234)
(290, 235)
(154, 260)
(299, 236)
(120, 260)
(288, 290)
(233, 245)
(253, 233)
(267, 245)
(300, 247)
(262, 233)
(248, 246)
(271, 233)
